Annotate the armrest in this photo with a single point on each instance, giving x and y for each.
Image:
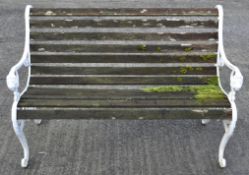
(236, 78)
(12, 78)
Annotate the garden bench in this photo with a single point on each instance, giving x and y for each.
(124, 64)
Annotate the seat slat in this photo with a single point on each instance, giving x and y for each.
(57, 70)
(124, 12)
(55, 23)
(124, 102)
(118, 80)
(178, 57)
(127, 113)
(40, 36)
(99, 93)
(129, 48)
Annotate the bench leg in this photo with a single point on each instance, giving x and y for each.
(18, 126)
(37, 121)
(229, 127)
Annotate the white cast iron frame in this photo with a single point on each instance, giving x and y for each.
(13, 84)
(236, 81)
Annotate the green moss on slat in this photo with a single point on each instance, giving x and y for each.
(189, 68)
(188, 49)
(201, 93)
(164, 89)
(158, 49)
(182, 59)
(208, 92)
(212, 81)
(142, 47)
(179, 79)
(77, 49)
(183, 70)
(199, 68)
(208, 57)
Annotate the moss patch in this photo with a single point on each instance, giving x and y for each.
(208, 92)
(179, 79)
(199, 68)
(182, 59)
(164, 89)
(190, 68)
(201, 93)
(212, 81)
(183, 70)
(142, 47)
(208, 57)
(158, 49)
(188, 49)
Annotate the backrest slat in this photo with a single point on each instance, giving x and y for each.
(123, 36)
(125, 48)
(117, 22)
(102, 57)
(126, 12)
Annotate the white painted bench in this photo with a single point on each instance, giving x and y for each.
(124, 64)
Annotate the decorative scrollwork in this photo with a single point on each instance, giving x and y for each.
(236, 80)
(13, 81)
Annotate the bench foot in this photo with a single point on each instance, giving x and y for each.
(24, 163)
(223, 163)
(18, 126)
(229, 127)
(38, 121)
(205, 121)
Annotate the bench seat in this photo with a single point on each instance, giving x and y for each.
(136, 103)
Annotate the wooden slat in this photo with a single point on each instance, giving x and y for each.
(124, 12)
(193, 57)
(101, 93)
(122, 36)
(117, 80)
(57, 70)
(76, 23)
(117, 48)
(124, 102)
(125, 113)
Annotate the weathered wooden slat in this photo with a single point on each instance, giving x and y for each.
(125, 102)
(117, 48)
(57, 70)
(76, 23)
(101, 93)
(117, 80)
(124, 12)
(125, 113)
(122, 36)
(198, 57)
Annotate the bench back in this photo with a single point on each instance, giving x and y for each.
(123, 46)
